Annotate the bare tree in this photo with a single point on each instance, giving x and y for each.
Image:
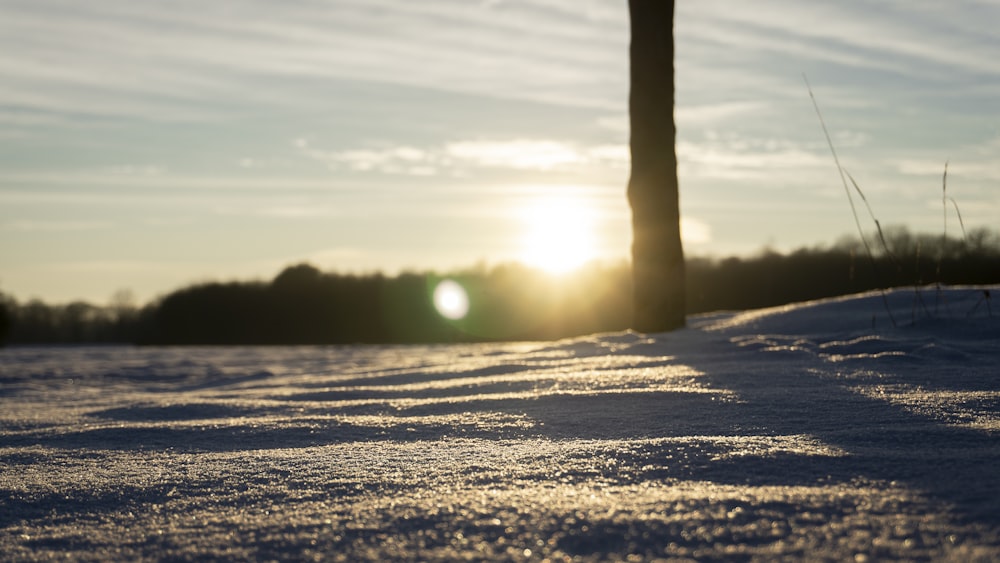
(657, 254)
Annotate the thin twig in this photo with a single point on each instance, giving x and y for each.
(965, 236)
(836, 160)
(944, 198)
(919, 300)
(944, 234)
(878, 226)
(847, 190)
(944, 217)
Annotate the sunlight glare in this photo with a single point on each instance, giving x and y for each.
(559, 233)
(451, 300)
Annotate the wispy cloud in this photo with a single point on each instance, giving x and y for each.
(180, 60)
(17, 185)
(901, 36)
(458, 157)
(733, 156)
(29, 225)
(398, 159)
(188, 60)
(717, 114)
(522, 154)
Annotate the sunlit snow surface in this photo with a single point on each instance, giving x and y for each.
(816, 431)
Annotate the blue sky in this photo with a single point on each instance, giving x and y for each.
(146, 145)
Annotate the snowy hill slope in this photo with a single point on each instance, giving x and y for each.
(814, 431)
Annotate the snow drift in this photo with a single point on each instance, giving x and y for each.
(815, 431)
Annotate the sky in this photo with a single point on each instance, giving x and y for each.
(151, 144)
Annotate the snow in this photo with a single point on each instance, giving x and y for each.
(816, 431)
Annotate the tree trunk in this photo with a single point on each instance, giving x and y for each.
(657, 255)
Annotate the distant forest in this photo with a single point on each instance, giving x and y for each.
(303, 305)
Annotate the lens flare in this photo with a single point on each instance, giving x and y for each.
(451, 300)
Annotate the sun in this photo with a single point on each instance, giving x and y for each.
(558, 233)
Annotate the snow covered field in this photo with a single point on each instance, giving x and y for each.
(816, 431)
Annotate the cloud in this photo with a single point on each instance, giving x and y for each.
(520, 154)
(458, 156)
(900, 36)
(733, 156)
(277, 210)
(136, 170)
(615, 156)
(717, 114)
(28, 225)
(101, 182)
(185, 60)
(401, 159)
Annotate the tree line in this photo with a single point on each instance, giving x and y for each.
(303, 305)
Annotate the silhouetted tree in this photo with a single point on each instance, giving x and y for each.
(303, 305)
(301, 277)
(657, 255)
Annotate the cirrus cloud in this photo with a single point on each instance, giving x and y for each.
(455, 157)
